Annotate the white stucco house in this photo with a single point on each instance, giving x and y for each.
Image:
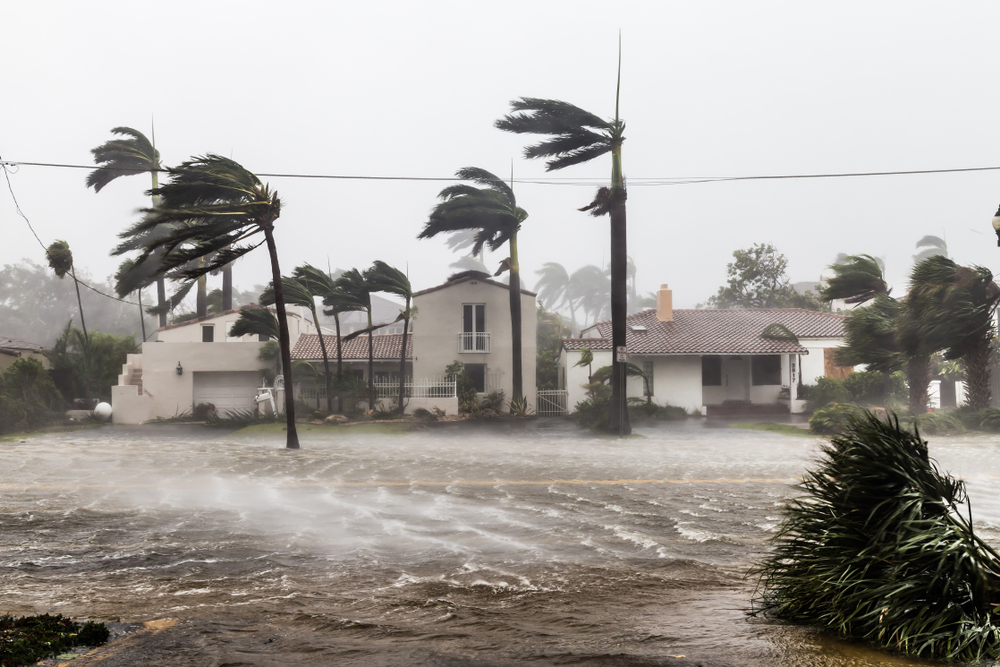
(196, 362)
(734, 361)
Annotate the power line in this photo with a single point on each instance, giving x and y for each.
(640, 181)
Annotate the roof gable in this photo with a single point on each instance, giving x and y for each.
(468, 276)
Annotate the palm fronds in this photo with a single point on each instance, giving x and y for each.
(882, 549)
(577, 135)
(122, 157)
(256, 321)
(857, 279)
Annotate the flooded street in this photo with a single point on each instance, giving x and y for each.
(532, 543)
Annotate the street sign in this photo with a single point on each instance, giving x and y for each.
(621, 354)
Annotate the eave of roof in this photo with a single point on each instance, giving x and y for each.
(483, 279)
(384, 347)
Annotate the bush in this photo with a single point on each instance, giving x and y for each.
(827, 391)
(934, 423)
(493, 401)
(424, 415)
(519, 407)
(205, 411)
(867, 388)
(30, 399)
(882, 549)
(639, 408)
(834, 418)
(26, 640)
(468, 399)
(593, 412)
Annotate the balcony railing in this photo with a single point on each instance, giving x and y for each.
(475, 341)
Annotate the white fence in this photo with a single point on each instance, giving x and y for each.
(422, 389)
(552, 403)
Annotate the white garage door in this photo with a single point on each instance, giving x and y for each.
(229, 390)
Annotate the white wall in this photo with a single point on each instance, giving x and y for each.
(435, 339)
(676, 381)
(577, 376)
(812, 363)
(299, 322)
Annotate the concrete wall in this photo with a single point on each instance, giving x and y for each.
(299, 322)
(576, 376)
(812, 363)
(165, 392)
(436, 341)
(676, 381)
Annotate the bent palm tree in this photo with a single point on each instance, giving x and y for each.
(932, 247)
(385, 278)
(555, 289)
(579, 136)
(357, 288)
(857, 279)
(493, 213)
(213, 207)
(61, 261)
(126, 157)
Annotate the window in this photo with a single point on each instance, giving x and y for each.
(711, 371)
(765, 370)
(647, 368)
(477, 373)
(263, 338)
(474, 336)
(208, 333)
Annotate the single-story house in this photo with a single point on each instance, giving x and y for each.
(732, 361)
(12, 349)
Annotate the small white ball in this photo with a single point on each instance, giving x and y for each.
(103, 412)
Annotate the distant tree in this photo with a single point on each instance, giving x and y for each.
(549, 334)
(357, 288)
(932, 247)
(756, 279)
(61, 261)
(388, 279)
(89, 365)
(124, 268)
(28, 398)
(592, 289)
(555, 289)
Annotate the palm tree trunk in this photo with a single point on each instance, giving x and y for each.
(227, 289)
(142, 318)
(618, 421)
(371, 363)
(402, 356)
(340, 365)
(79, 302)
(918, 376)
(976, 363)
(292, 441)
(517, 380)
(161, 282)
(202, 298)
(326, 361)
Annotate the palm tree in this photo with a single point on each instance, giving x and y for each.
(61, 261)
(857, 279)
(555, 289)
(298, 293)
(952, 309)
(125, 157)
(493, 213)
(932, 246)
(590, 285)
(335, 302)
(320, 284)
(385, 278)
(213, 207)
(579, 136)
(358, 290)
(121, 288)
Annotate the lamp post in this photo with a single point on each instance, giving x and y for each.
(996, 225)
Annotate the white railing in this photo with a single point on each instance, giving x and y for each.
(473, 341)
(423, 389)
(552, 402)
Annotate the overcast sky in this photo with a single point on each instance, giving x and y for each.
(413, 88)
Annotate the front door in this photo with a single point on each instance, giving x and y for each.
(734, 377)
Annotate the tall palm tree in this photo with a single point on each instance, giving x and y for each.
(335, 302)
(932, 247)
(952, 310)
(555, 289)
(856, 279)
(590, 285)
(121, 288)
(579, 136)
(320, 284)
(357, 287)
(385, 278)
(60, 259)
(130, 155)
(298, 293)
(213, 207)
(492, 211)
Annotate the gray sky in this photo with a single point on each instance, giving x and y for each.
(412, 89)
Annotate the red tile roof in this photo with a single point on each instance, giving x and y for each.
(731, 331)
(384, 346)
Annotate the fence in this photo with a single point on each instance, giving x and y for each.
(552, 403)
(474, 341)
(422, 389)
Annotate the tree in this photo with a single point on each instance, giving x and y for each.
(321, 285)
(932, 247)
(578, 136)
(299, 293)
(951, 309)
(335, 302)
(385, 278)
(355, 285)
(550, 332)
(88, 366)
(213, 207)
(492, 212)
(123, 269)
(555, 289)
(857, 279)
(592, 290)
(756, 279)
(60, 259)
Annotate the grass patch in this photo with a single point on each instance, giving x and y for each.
(61, 428)
(373, 428)
(784, 429)
(26, 640)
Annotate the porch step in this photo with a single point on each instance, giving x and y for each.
(136, 379)
(741, 409)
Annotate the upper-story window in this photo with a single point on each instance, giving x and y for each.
(207, 333)
(474, 337)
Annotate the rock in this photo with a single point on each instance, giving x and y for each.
(335, 419)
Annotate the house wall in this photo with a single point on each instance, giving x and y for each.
(7, 360)
(436, 341)
(577, 376)
(299, 322)
(676, 380)
(165, 392)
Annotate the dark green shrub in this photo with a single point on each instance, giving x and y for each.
(204, 411)
(424, 415)
(639, 408)
(519, 407)
(30, 399)
(468, 399)
(593, 412)
(882, 549)
(989, 419)
(934, 423)
(493, 401)
(875, 388)
(26, 640)
(833, 418)
(827, 391)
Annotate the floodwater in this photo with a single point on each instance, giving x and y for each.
(534, 543)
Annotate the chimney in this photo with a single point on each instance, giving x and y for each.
(665, 304)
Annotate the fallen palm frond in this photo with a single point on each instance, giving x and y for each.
(882, 549)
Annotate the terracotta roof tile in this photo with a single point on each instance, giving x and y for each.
(384, 346)
(731, 331)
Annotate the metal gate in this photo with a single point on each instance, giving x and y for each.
(552, 403)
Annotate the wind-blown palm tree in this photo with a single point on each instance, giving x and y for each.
(320, 284)
(335, 302)
(213, 207)
(124, 269)
(952, 310)
(932, 247)
(579, 136)
(591, 287)
(60, 259)
(857, 279)
(130, 155)
(357, 287)
(555, 289)
(298, 293)
(385, 278)
(492, 211)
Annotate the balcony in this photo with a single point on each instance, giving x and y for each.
(473, 342)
